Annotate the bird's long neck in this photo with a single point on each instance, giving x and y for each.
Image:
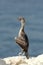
(22, 26)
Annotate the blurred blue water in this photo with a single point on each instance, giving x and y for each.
(32, 10)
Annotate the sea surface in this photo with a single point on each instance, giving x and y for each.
(32, 11)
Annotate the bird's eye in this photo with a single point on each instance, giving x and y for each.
(20, 19)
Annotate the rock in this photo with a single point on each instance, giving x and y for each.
(21, 60)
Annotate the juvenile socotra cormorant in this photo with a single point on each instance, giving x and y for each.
(22, 39)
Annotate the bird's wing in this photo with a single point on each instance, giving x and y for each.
(24, 37)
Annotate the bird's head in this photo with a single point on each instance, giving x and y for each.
(22, 20)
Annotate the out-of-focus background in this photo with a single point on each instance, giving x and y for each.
(32, 10)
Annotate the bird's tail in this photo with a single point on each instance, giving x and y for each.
(27, 55)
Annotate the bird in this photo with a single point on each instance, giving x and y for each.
(22, 38)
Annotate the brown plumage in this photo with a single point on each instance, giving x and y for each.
(22, 39)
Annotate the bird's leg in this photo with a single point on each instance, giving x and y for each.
(22, 52)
